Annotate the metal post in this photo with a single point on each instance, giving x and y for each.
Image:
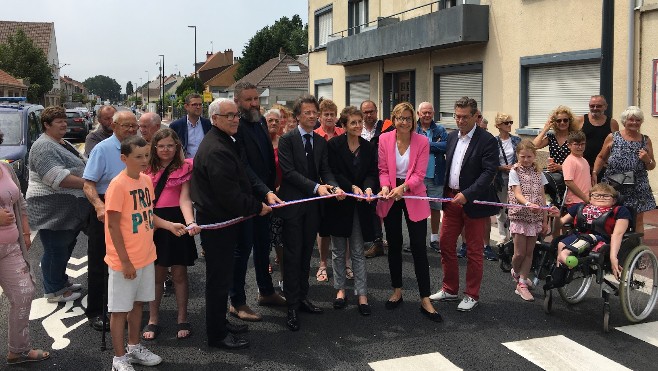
(607, 51)
(148, 90)
(195, 87)
(162, 86)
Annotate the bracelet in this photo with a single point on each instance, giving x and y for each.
(189, 224)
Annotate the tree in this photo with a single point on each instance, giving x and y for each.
(289, 34)
(188, 84)
(21, 58)
(105, 87)
(129, 88)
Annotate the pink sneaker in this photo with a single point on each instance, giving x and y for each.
(522, 291)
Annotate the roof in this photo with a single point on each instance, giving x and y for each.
(71, 81)
(38, 32)
(9, 80)
(225, 77)
(275, 73)
(218, 59)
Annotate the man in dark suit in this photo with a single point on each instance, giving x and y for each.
(471, 163)
(257, 151)
(221, 190)
(305, 173)
(191, 128)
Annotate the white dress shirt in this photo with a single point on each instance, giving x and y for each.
(458, 157)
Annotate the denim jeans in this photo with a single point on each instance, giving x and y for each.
(57, 249)
(254, 234)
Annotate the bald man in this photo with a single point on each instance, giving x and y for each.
(149, 124)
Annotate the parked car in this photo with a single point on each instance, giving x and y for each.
(20, 123)
(87, 115)
(77, 125)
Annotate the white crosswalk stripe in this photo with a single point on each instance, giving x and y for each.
(422, 362)
(647, 332)
(561, 353)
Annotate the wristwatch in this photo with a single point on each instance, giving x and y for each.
(405, 188)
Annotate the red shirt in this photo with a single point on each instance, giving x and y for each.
(337, 131)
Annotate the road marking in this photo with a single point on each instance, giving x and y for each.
(561, 353)
(76, 261)
(647, 332)
(430, 361)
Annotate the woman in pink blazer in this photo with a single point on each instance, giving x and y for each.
(403, 157)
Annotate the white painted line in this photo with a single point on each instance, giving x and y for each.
(76, 261)
(647, 332)
(561, 354)
(422, 362)
(75, 273)
(649, 226)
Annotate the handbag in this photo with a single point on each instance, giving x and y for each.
(621, 179)
(498, 179)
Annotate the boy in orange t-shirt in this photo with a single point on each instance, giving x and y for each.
(576, 171)
(130, 252)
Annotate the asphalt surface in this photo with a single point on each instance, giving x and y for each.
(343, 339)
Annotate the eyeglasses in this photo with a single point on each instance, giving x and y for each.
(507, 122)
(230, 115)
(196, 104)
(128, 127)
(601, 196)
(595, 106)
(559, 121)
(461, 118)
(310, 113)
(165, 147)
(404, 119)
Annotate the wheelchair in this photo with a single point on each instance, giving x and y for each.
(637, 288)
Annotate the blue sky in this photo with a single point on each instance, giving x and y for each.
(122, 39)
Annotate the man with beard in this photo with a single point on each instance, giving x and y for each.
(258, 154)
(191, 128)
(596, 126)
(104, 129)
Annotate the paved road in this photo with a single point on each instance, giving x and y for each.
(502, 333)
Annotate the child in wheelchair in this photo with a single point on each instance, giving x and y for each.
(596, 223)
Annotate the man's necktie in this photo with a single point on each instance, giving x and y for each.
(310, 160)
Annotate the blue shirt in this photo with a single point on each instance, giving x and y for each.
(431, 160)
(194, 137)
(104, 163)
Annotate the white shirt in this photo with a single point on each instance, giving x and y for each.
(368, 134)
(458, 157)
(401, 162)
(508, 149)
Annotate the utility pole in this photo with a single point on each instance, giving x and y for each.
(195, 87)
(162, 108)
(148, 89)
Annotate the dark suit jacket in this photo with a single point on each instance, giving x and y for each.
(180, 127)
(295, 183)
(477, 172)
(261, 168)
(220, 188)
(340, 214)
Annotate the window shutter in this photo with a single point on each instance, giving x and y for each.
(454, 86)
(359, 91)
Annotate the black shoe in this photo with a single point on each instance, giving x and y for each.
(393, 304)
(293, 320)
(461, 253)
(434, 316)
(434, 246)
(308, 307)
(97, 323)
(365, 310)
(340, 303)
(489, 254)
(230, 342)
(236, 329)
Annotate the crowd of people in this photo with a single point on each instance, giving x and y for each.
(142, 198)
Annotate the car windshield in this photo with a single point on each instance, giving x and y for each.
(10, 125)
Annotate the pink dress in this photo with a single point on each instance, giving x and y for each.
(526, 221)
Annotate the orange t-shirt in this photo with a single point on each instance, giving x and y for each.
(133, 199)
(337, 131)
(577, 169)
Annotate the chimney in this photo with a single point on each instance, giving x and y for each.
(208, 55)
(281, 53)
(228, 54)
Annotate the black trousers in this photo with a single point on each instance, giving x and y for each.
(298, 236)
(417, 238)
(96, 267)
(218, 245)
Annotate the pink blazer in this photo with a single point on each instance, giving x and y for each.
(418, 158)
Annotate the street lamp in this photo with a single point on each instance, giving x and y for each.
(162, 109)
(148, 89)
(141, 92)
(195, 87)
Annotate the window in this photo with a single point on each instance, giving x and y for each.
(454, 82)
(357, 16)
(548, 81)
(294, 68)
(358, 89)
(323, 25)
(324, 89)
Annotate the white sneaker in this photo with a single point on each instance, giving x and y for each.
(140, 355)
(62, 298)
(467, 304)
(443, 296)
(122, 364)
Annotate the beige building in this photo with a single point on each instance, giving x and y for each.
(518, 57)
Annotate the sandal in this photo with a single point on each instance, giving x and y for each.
(151, 327)
(25, 357)
(184, 326)
(322, 276)
(349, 274)
(269, 269)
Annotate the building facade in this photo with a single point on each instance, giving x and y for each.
(519, 57)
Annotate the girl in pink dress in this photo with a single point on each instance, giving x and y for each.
(526, 187)
(172, 203)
